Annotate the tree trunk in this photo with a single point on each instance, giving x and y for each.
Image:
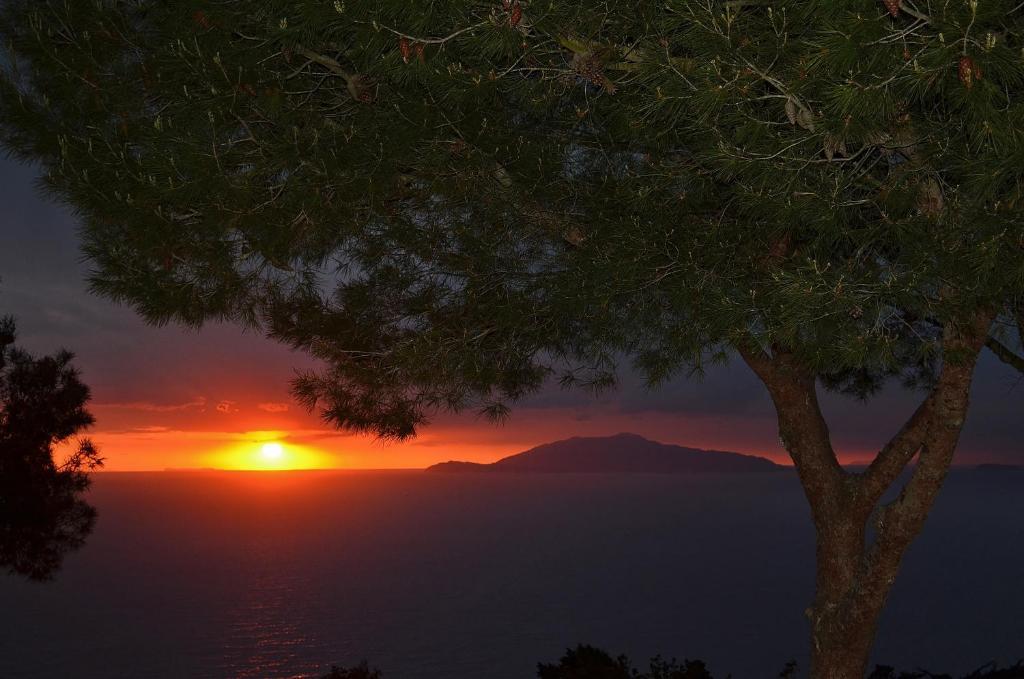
(842, 650)
(843, 619)
(854, 575)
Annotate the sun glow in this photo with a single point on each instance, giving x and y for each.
(272, 451)
(269, 451)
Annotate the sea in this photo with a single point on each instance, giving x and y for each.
(482, 576)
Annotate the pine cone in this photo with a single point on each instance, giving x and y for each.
(893, 6)
(574, 236)
(516, 15)
(968, 71)
(403, 47)
(588, 66)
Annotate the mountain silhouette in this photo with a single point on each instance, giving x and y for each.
(622, 453)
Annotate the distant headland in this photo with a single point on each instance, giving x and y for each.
(619, 454)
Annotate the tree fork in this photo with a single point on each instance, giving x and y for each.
(854, 576)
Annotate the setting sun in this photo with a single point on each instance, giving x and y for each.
(269, 450)
(272, 450)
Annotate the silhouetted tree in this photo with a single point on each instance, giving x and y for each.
(360, 671)
(671, 669)
(450, 202)
(989, 671)
(588, 662)
(789, 670)
(42, 513)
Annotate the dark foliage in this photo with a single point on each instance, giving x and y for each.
(588, 662)
(42, 513)
(360, 671)
(539, 195)
(989, 671)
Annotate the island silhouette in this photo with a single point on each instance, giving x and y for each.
(621, 453)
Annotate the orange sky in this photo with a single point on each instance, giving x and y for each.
(167, 398)
(225, 423)
(138, 436)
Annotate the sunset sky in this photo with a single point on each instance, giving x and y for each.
(173, 398)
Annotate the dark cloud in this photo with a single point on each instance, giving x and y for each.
(723, 390)
(146, 406)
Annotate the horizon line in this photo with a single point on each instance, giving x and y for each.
(186, 470)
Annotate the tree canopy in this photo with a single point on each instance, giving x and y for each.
(42, 513)
(450, 202)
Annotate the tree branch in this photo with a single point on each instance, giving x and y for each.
(758, 361)
(802, 428)
(331, 64)
(937, 424)
(355, 84)
(947, 403)
(896, 454)
(431, 41)
(1005, 354)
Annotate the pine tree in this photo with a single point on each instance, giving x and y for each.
(451, 203)
(42, 513)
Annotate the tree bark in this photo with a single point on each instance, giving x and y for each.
(855, 573)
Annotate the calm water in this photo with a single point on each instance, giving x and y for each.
(462, 577)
